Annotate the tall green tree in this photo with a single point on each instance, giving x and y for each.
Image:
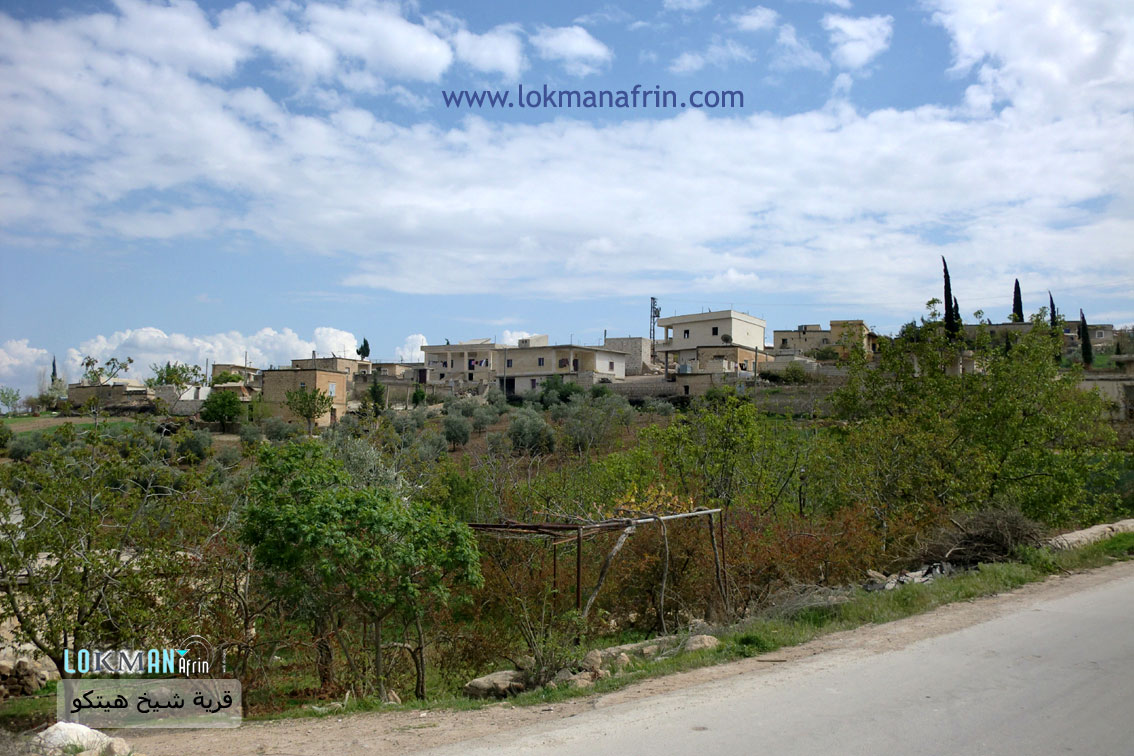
(94, 533)
(175, 374)
(1052, 313)
(310, 405)
(1017, 315)
(1085, 340)
(952, 324)
(222, 407)
(10, 398)
(364, 350)
(377, 393)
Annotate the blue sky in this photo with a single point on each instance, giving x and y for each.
(194, 180)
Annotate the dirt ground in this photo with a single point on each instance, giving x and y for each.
(400, 732)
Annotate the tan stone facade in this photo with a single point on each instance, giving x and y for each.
(841, 336)
(282, 380)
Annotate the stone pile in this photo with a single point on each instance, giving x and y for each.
(20, 678)
(597, 664)
(927, 574)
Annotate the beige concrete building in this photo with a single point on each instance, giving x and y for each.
(841, 336)
(247, 373)
(736, 337)
(279, 381)
(638, 351)
(472, 365)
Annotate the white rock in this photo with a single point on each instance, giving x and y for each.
(592, 661)
(69, 735)
(701, 642)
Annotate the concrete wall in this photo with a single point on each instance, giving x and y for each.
(278, 382)
(637, 351)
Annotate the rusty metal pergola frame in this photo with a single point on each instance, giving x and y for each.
(566, 532)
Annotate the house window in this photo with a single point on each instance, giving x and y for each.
(716, 331)
(686, 333)
(442, 376)
(541, 365)
(825, 342)
(331, 389)
(783, 342)
(686, 387)
(533, 379)
(1098, 334)
(470, 376)
(509, 363)
(611, 366)
(302, 386)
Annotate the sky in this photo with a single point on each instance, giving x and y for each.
(207, 180)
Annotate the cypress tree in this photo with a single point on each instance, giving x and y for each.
(54, 374)
(364, 350)
(1054, 316)
(951, 324)
(1017, 304)
(1085, 340)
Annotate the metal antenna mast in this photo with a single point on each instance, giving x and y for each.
(655, 313)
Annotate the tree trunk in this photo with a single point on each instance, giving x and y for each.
(324, 659)
(419, 662)
(379, 667)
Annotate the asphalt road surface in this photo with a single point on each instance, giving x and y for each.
(1053, 677)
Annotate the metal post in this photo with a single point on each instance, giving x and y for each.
(579, 570)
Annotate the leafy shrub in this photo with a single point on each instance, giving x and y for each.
(457, 430)
(484, 417)
(430, 445)
(418, 397)
(24, 445)
(795, 374)
(277, 429)
(496, 398)
(5, 436)
(656, 406)
(530, 433)
(194, 446)
(250, 434)
(229, 456)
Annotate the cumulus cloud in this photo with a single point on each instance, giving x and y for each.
(574, 47)
(720, 53)
(512, 338)
(857, 41)
(684, 5)
(410, 350)
(836, 200)
(791, 52)
(264, 348)
(500, 50)
(756, 19)
(20, 362)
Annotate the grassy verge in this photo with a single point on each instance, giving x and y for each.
(751, 638)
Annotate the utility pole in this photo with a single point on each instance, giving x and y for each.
(655, 313)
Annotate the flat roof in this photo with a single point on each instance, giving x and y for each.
(714, 315)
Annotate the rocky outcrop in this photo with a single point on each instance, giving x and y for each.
(496, 685)
(700, 643)
(20, 678)
(70, 738)
(1091, 535)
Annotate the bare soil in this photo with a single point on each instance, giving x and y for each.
(399, 732)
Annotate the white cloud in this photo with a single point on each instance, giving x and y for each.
(756, 19)
(500, 50)
(410, 351)
(579, 52)
(857, 41)
(790, 52)
(684, 5)
(512, 338)
(720, 53)
(148, 346)
(832, 200)
(20, 362)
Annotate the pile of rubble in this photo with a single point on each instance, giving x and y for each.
(927, 574)
(20, 678)
(64, 738)
(597, 664)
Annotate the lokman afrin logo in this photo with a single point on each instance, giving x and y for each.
(152, 661)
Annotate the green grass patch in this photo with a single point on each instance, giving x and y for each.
(25, 712)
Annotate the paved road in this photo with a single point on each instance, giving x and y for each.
(1054, 677)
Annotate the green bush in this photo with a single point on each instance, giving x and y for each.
(484, 417)
(229, 456)
(250, 434)
(24, 445)
(457, 430)
(794, 373)
(530, 433)
(276, 429)
(194, 446)
(5, 436)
